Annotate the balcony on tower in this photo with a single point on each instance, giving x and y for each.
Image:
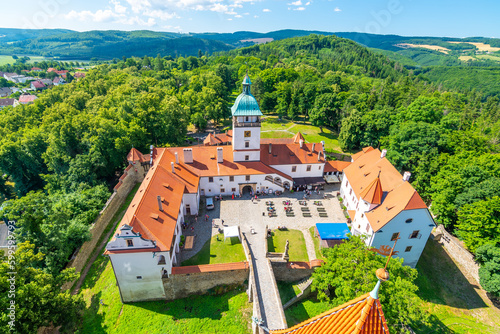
(246, 121)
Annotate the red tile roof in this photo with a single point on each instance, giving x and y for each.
(208, 268)
(38, 84)
(27, 98)
(399, 194)
(361, 315)
(291, 154)
(373, 193)
(360, 153)
(336, 166)
(298, 137)
(135, 155)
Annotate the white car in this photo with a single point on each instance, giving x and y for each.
(210, 203)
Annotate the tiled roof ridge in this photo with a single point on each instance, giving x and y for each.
(156, 239)
(325, 314)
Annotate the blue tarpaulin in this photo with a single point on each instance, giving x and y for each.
(332, 231)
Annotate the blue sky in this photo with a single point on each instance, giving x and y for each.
(403, 17)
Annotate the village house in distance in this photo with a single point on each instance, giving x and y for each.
(145, 247)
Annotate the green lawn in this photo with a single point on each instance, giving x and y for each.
(4, 60)
(214, 251)
(288, 291)
(319, 255)
(304, 310)
(297, 246)
(272, 127)
(228, 313)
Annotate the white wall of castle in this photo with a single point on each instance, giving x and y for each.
(222, 185)
(240, 156)
(301, 170)
(139, 275)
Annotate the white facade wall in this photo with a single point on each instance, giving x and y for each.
(239, 138)
(421, 221)
(301, 170)
(139, 275)
(240, 155)
(347, 193)
(223, 182)
(192, 200)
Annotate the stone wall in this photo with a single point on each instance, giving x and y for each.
(202, 279)
(457, 252)
(127, 181)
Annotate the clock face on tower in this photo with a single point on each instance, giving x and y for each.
(248, 134)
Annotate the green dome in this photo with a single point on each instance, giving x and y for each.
(246, 104)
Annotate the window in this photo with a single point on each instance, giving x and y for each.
(248, 134)
(395, 236)
(367, 228)
(414, 234)
(202, 191)
(409, 220)
(210, 179)
(222, 190)
(130, 243)
(246, 119)
(308, 168)
(350, 192)
(319, 167)
(407, 249)
(247, 177)
(139, 277)
(247, 157)
(231, 178)
(233, 190)
(294, 169)
(247, 144)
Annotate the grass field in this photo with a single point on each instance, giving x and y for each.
(4, 60)
(297, 246)
(214, 251)
(288, 291)
(272, 127)
(228, 313)
(490, 57)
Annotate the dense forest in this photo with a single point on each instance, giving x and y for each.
(62, 155)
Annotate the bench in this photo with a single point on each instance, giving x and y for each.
(305, 209)
(189, 242)
(323, 214)
(306, 214)
(321, 209)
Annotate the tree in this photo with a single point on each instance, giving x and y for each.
(488, 256)
(159, 66)
(349, 272)
(39, 299)
(479, 223)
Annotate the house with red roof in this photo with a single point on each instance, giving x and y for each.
(38, 85)
(27, 99)
(384, 207)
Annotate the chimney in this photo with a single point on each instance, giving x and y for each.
(301, 143)
(173, 167)
(176, 158)
(319, 155)
(220, 158)
(160, 206)
(406, 176)
(270, 148)
(384, 152)
(188, 156)
(151, 147)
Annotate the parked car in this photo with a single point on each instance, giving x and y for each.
(210, 203)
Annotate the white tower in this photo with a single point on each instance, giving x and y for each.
(246, 125)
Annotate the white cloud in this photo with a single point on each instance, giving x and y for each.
(246, 13)
(229, 19)
(238, 16)
(300, 8)
(160, 14)
(138, 5)
(256, 16)
(219, 8)
(337, 9)
(266, 10)
(86, 15)
(118, 7)
(308, 3)
(296, 3)
(138, 21)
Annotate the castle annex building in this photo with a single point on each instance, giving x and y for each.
(145, 246)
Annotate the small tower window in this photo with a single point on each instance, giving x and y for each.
(247, 157)
(395, 236)
(231, 178)
(246, 119)
(409, 220)
(247, 144)
(294, 169)
(308, 168)
(130, 243)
